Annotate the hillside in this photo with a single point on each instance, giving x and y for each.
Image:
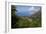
(28, 16)
(32, 21)
(27, 21)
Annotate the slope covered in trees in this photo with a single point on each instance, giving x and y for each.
(24, 21)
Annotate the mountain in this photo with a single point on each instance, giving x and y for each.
(29, 21)
(37, 14)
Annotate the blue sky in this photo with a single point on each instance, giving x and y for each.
(26, 10)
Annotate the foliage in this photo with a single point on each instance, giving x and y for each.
(18, 22)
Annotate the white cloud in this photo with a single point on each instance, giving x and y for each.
(33, 10)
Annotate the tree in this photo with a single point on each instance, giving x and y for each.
(13, 10)
(13, 16)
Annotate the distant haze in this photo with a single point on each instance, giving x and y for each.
(26, 10)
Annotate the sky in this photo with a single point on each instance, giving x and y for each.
(26, 10)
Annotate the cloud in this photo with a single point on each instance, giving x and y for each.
(33, 10)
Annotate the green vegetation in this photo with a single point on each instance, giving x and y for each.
(23, 22)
